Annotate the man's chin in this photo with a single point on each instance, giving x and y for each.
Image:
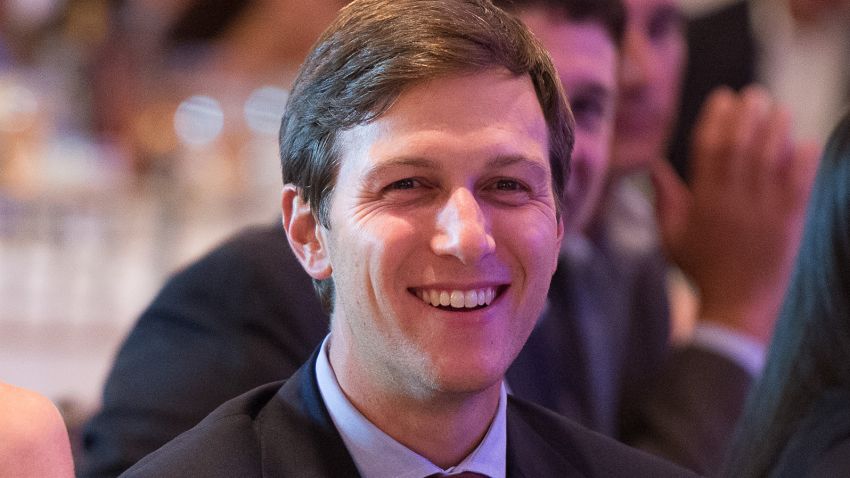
(467, 380)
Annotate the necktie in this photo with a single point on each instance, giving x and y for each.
(465, 474)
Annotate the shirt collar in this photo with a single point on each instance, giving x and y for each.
(377, 455)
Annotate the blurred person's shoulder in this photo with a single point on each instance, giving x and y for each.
(26, 414)
(33, 437)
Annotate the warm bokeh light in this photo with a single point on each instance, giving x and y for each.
(264, 109)
(18, 105)
(198, 120)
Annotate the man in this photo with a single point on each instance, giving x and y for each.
(424, 150)
(734, 234)
(583, 40)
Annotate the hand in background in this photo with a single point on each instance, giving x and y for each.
(736, 232)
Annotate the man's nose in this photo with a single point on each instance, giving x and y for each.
(462, 229)
(636, 65)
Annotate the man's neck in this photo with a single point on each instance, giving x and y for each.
(443, 427)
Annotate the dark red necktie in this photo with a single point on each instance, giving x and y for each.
(465, 474)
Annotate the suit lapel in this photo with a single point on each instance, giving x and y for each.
(296, 434)
(596, 329)
(529, 455)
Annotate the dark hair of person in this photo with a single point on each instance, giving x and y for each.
(810, 350)
(377, 49)
(204, 21)
(611, 14)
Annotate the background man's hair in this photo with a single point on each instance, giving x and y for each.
(610, 14)
(373, 52)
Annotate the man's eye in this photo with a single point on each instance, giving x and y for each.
(508, 192)
(588, 112)
(406, 183)
(509, 185)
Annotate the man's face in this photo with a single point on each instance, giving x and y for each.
(650, 75)
(586, 59)
(443, 236)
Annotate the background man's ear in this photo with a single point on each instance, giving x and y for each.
(305, 234)
(560, 235)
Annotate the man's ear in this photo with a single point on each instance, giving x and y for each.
(305, 234)
(560, 238)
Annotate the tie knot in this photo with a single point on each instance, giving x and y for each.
(463, 474)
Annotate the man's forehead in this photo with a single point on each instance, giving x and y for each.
(583, 52)
(465, 92)
(546, 26)
(492, 114)
(374, 148)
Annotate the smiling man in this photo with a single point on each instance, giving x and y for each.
(424, 149)
(437, 262)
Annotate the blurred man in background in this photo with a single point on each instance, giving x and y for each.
(608, 301)
(738, 257)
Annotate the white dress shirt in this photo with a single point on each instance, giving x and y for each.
(377, 455)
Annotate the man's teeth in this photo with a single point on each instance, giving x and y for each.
(457, 299)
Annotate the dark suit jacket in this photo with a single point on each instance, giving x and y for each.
(246, 314)
(599, 355)
(834, 461)
(285, 430)
(820, 444)
(243, 315)
(721, 51)
(602, 336)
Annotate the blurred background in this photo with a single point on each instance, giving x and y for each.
(134, 136)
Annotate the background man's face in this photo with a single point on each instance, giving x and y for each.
(650, 76)
(586, 58)
(447, 196)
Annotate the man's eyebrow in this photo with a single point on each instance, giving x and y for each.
(519, 160)
(373, 174)
(593, 89)
(401, 161)
(409, 161)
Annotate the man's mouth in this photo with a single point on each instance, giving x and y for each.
(457, 299)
